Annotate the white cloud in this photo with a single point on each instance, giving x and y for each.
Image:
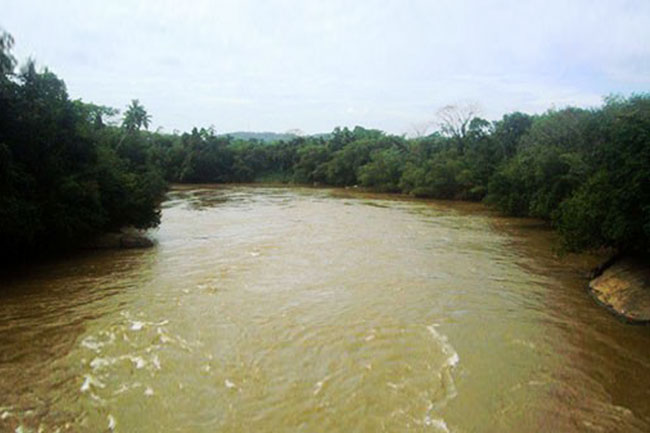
(277, 65)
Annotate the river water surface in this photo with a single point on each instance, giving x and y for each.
(299, 310)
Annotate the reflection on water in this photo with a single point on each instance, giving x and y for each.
(291, 309)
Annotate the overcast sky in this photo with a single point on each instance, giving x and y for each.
(277, 65)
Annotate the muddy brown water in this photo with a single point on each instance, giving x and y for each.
(266, 309)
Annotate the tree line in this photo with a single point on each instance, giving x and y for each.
(69, 169)
(585, 171)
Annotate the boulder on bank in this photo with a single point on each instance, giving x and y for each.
(124, 239)
(624, 288)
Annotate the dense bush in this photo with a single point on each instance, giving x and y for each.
(64, 176)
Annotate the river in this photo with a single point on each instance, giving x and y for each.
(272, 309)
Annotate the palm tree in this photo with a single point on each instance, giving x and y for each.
(135, 117)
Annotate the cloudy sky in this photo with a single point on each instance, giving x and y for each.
(275, 65)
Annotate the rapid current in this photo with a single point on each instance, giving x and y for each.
(280, 309)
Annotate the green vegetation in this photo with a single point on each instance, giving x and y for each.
(66, 174)
(586, 172)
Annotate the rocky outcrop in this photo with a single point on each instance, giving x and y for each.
(126, 238)
(624, 288)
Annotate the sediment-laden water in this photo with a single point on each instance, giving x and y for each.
(298, 310)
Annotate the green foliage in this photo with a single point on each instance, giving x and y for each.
(7, 60)
(135, 117)
(612, 206)
(587, 219)
(384, 171)
(210, 159)
(64, 178)
(311, 163)
(585, 171)
(509, 130)
(342, 168)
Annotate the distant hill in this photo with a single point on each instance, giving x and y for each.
(269, 137)
(262, 136)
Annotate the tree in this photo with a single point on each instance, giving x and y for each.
(454, 121)
(419, 129)
(7, 60)
(510, 129)
(95, 114)
(136, 117)
(61, 179)
(384, 170)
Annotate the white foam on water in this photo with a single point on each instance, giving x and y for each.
(175, 339)
(438, 424)
(318, 387)
(97, 398)
(136, 325)
(446, 377)
(155, 361)
(98, 363)
(90, 381)
(123, 388)
(164, 338)
(452, 356)
(91, 342)
(111, 422)
(138, 361)
(127, 387)
(85, 386)
(393, 385)
(453, 360)
(526, 343)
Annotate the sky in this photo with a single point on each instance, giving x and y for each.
(277, 65)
